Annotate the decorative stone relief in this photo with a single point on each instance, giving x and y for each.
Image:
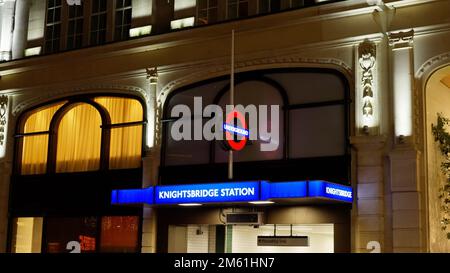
(3, 120)
(402, 39)
(367, 60)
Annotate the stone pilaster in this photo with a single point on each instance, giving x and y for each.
(151, 162)
(408, 222)
(402, 77)
(369, 201)
(6, 28)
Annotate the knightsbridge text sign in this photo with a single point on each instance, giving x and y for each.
(233, 192)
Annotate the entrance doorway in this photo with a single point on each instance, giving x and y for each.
(247, 239)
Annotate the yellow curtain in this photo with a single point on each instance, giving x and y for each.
(126, 142)
(126, 145)
(39, 120)
(122, 110)
(79, 140)
(34, 154)
(34, 148)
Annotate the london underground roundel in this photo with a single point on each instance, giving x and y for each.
(231, 131)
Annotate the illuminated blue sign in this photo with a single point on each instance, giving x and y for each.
(330, 191)
(278, 190)
(234, 192)
(135, 196)
(208, 193)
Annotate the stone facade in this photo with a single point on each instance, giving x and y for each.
(387, 52)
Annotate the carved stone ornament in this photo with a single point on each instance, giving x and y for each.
(367, 60)
(3, 113)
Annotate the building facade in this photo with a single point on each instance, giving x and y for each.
(87, 98)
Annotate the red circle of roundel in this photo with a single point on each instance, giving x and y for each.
(235, 145)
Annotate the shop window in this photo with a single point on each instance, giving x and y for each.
(207, 11)
(53, 26)
(61, 231)
(80, 135)
(79, 140)
(123, 20)
(75, 29)
(27, 235)
(119, 234)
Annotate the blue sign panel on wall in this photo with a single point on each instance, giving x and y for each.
(134, 196)
(207, 193)
(277, 190)
(330, 191)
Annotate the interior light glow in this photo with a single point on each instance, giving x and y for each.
(182, 23)
(140, 31)
(190, 205)
(262, 202)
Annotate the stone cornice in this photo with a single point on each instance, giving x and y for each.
(64, 92)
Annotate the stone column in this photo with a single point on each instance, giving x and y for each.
(369, 216)
(409, 226)
(20, 33)
(6, 24)
(151, 162)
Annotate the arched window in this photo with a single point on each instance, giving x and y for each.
(80, 135)
(35, 136)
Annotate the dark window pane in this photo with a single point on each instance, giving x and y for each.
(79, 26)
(202, 4)
(50, 15)
(103, 5)
(102, 23)
(71, 27)
(79, 41)
(70, 42)
(212, 16)
(119, 18)
(275, 6)
(243, 9)
(57, 15)
(127, 16)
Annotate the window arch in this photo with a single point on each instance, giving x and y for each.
(81, 134)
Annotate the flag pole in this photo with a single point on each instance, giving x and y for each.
(230, 153)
